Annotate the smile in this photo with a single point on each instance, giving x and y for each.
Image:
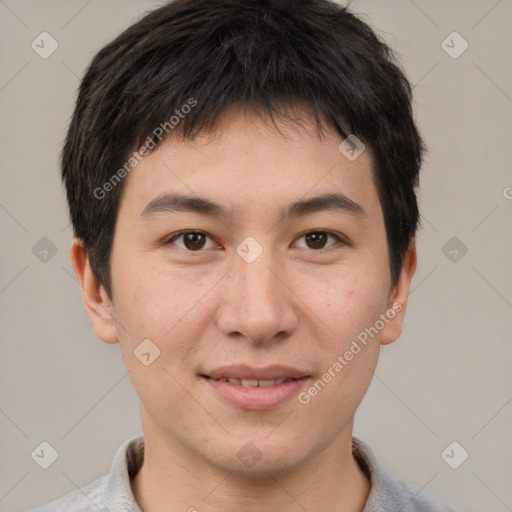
(255, 388)
(252, 383)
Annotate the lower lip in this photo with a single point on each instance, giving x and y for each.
(257, 398)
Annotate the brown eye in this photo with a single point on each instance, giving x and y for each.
(317, 240)
(191, 240)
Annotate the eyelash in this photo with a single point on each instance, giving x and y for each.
(338, 239)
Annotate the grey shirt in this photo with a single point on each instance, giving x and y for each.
(113, 492)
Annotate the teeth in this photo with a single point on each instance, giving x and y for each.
(249, 383)
(266, 383)
(252, 383)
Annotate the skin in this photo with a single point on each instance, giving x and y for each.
(296, 305)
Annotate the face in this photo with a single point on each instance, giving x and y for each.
(251, 289)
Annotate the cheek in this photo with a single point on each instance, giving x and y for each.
(349, 347)
(166, 307)
(169, 310)
(347, 304)
(351, 308)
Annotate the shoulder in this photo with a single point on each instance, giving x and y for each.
(107, 493)
(390, 494)
(412, 498)
(89, 498)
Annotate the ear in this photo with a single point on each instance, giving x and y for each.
(97, 304)
(398, 301)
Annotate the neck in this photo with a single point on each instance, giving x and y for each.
(173, 478)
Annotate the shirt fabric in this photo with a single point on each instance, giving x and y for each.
(113, 492)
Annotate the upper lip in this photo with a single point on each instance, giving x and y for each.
(249, 372)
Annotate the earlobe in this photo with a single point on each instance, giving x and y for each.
(97, 304)
(398, 302)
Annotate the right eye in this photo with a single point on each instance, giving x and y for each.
(192, 241)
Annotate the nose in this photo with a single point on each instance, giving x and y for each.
(258, 304)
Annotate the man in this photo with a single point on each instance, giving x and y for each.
(241, 180)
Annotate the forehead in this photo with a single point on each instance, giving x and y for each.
(248, 161)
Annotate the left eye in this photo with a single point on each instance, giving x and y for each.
(196, 240)
(318, 239)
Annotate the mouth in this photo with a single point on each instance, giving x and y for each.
(235, 374)
(253, 383)
(255, 388)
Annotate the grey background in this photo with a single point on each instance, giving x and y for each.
(446, 379)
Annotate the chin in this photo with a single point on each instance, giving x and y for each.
(257, 456)
(259, 468)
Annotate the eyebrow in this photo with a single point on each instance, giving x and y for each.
(172, 202)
